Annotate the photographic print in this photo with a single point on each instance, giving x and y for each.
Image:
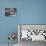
(10, 11)
(31, 33)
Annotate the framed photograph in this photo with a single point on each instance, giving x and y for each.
(32, 32)
(28, 34)
(10, 11)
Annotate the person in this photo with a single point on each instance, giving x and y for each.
(7, 12)
(12, 11)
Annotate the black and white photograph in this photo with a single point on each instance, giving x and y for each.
(10, 11)
(31, 34)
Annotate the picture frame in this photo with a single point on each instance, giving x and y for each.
(10, 11)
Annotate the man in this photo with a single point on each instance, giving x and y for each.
(12, 11)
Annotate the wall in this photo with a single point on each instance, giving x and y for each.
(28, 12)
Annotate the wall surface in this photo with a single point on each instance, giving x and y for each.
(28, 12)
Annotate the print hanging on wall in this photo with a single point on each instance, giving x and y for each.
(10, 11)
(32, 32)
